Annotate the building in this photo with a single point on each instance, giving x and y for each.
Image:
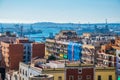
(106, 57)
(67, 35)
(5, 38)
(89, 72)
(58, 73)
(26, 70)
(116, 46)
(118, 63)
(66, 50)
(63, 38)
(2, 73)
(60, 46)
(12, 54)
(55, 68)
(64, 43)
(55, 47)
(88, 53)
(97, 39)
(31, 49)
(108, 73)
(42, 77)
(22, 50)
(79, 72)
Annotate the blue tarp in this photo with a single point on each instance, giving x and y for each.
(70, 51)
(74, 51)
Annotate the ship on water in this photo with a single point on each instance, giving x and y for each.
(31, 30)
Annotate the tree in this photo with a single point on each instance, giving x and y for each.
(51, 57)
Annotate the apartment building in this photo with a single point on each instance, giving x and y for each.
(106, 57)
(116, 46)
(97, 39)
(5, 38)
(12, 54)
(88, 54)
(21, 50)
(67, 35)
(55, 47)
(59, 45)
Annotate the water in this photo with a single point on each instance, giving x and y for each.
(53, 28)
(45, 33)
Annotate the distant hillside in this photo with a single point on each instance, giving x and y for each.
(52, 24)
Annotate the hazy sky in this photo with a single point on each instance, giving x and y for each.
(82, 11)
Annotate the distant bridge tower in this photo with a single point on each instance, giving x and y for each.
(106, 21)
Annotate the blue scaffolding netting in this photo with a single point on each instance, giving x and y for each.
(74, 51)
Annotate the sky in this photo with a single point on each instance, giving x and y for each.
(61, 11)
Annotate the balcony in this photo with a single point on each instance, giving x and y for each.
(99, 59)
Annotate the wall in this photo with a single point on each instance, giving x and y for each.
(15, 55)
(55, 72)
(26, 71)
(38, 49)
(104, 73)
(85, 71)
(12, 55)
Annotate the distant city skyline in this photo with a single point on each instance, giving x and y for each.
(59, 11)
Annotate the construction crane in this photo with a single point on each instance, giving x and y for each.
(19, 30)
(1, 28)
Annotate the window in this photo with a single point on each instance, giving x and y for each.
(23, 72)
(29, 53)
(88, 77)
(24, 52)
(24, 47)
(79, 77)
(119, 61)
(71, 77)
(26, 73)
(119, 55)
(15, 76)
(28, 47)
(20, 78)
(20, 70)
(99, 77)
(110, 77)
(79, 70)
(59, 78)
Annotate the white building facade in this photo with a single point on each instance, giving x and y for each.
(25, 71)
